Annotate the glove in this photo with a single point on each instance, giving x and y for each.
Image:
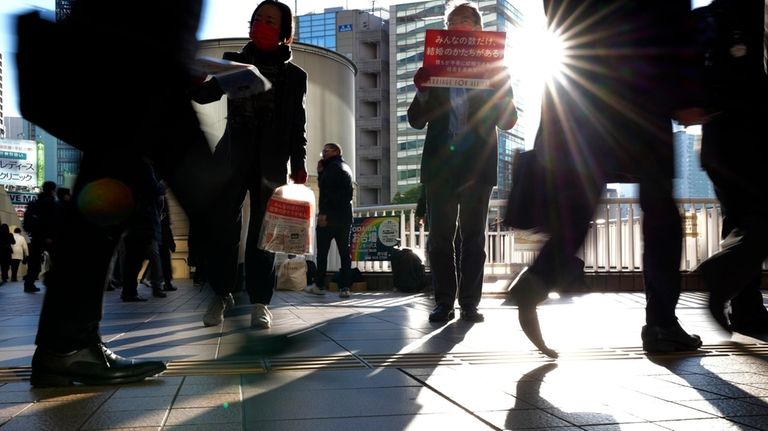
(299, 177)
(421, 77)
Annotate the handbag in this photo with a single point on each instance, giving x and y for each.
(529, 202)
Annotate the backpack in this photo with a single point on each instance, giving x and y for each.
(408, 273)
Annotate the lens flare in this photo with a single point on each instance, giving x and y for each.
(106, 201)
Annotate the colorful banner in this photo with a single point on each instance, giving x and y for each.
(374, 238)
(462, 58)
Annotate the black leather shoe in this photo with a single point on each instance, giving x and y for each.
(31, 289)
(470, 314)
(658, 339)
(168, 287)
(527, 292)
(442, 313)
(94, 365)
(136, 298)
(158, 293)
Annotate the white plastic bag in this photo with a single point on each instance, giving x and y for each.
(288, 225)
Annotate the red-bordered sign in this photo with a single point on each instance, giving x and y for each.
(462, 58)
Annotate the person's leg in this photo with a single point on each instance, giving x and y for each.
(442, 213)
(259, 264)
(473, 217)
(662, 239)
(136, 245)
(324, 238)
(570, 215)
(341, 236)
(15, 269)
(34, 264)
(167, 267)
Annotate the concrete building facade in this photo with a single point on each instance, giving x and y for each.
(363, 38)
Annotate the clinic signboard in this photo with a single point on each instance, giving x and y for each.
(18, 162)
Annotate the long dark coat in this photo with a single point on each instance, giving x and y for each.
(477, 155)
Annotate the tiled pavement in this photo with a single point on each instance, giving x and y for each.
(373, 362)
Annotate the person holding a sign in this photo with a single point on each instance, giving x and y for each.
(334, 217)
(458, 165)
(263, 132)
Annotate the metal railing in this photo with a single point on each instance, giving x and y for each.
(613, 243)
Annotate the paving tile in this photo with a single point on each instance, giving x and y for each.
(702, 424)
(418, 422)
(584, 387)
(111, 419)
(523, 419)
(206, 415)
(335, 403)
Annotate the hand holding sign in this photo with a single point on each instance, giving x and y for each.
(421, 77)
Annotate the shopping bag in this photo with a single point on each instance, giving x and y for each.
(288, 225)
(292, 274)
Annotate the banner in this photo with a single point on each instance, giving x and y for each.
(462, 58)
(374, 238)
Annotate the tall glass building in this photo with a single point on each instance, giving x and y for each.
(408, 24)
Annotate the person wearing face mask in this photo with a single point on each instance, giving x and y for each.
(263, 132)
(458, 170)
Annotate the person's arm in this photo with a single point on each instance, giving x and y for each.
(298, 132)
(207, 92)
(420, 111)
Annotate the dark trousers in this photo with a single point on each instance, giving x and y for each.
(737, 170)
(662, 239)
(137, 248)
(465, 207)
(221, 263)
(5, 266)
(325, 235)
(15, 269)
(34, 261)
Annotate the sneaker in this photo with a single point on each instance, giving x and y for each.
(315, 290)
(261, 317)
(344, 293)
(216, 306)
(658, 339)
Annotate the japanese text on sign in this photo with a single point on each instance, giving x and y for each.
(462, 58)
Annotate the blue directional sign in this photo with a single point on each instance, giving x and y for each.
(345, 27)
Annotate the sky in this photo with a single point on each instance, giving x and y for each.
(221, 18)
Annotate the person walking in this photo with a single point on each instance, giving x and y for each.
(69, 344)
(734, 156)
(458, 170)
(607, 118)
(20, 253)
(263, 133)
(39, 222)
(334, 217)
(7, 240)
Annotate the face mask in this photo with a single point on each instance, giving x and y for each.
(265, 36)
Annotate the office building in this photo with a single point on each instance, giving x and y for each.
(362, 37)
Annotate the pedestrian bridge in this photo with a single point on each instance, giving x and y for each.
(613, 243)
